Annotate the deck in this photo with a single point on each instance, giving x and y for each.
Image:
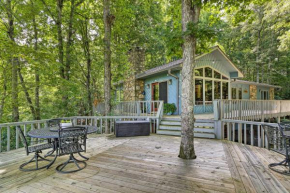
(150, 164)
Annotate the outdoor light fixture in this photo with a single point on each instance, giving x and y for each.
(170, 81)
(147, 86)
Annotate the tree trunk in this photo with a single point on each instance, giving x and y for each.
(59, 36)
(14, 64)
(28, 98)
(69, 41)
(108, 19)
(86, 48)
(190, 14)
(37, 78)
(4, 94)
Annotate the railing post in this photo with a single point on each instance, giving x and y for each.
(240, 133)
(216, 109)
(8, 138)
(17, 137)
(0, 139)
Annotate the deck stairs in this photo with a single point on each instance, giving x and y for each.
(171, 125)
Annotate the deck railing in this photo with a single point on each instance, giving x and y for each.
(246, 132)
(9, 136)
(250, 110)
(131, 108)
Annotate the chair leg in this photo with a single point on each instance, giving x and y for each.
(36, 158)
(86, 158)
(71, 159)
(284, 163)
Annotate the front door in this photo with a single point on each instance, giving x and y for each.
(163, 91)
(158, 92)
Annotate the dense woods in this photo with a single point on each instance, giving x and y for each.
(56, 56)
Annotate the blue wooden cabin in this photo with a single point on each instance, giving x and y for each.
(215, 77)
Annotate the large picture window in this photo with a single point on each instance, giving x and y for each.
(210, 84)
(217, 90)
(208, 90)
(198, 91)
(234, 93)
(208, 72)
(225, 90)
(198, 72)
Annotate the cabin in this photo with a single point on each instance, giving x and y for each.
(215, 77)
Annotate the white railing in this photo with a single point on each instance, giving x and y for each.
(250, 110)
(246, 132)
(131, 108)
(9, 136)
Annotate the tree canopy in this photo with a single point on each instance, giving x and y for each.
(52, 52)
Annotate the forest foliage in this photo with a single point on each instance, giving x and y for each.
(52, 61)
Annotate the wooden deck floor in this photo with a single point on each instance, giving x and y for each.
(150, 164)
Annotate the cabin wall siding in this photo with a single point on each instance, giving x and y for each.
(171, 91)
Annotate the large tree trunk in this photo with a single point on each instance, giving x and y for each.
(108, 19)
(14, 64)
(190, 15)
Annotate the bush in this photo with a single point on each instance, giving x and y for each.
(169, 108)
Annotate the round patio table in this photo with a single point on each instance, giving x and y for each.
(52, 133)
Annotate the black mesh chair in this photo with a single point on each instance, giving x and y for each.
(36, 149)
(71, 140)
(279, 141)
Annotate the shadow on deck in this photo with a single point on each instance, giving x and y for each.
(150, 164)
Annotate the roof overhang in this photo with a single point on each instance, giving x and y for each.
(253, 83)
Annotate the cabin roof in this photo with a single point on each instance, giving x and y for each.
(201, 60)
(253, 83)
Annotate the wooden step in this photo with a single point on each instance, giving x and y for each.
(170, 123)
(178, 133)
(178, 128)
(171, 119)
(170, 127)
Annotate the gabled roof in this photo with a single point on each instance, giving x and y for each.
(162, 68)
(177, 64)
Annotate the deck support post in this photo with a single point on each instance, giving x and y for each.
(218, 129)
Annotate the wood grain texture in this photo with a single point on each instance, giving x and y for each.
(150, 164)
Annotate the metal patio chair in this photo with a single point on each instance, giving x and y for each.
(36, 149)
(279, 141)
(71, 140)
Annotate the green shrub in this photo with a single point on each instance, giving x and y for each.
(169, 108)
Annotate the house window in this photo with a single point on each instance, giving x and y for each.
(198, 72)
(198, 92)
(264, 95)
(217, 90)
(225, 78)
(217, 75)
(225, 90)
(208, 90)
(234, 93)
(240, 92)
(208, 72)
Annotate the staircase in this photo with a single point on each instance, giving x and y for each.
(171, 125)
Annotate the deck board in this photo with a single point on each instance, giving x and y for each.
(150, 164)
